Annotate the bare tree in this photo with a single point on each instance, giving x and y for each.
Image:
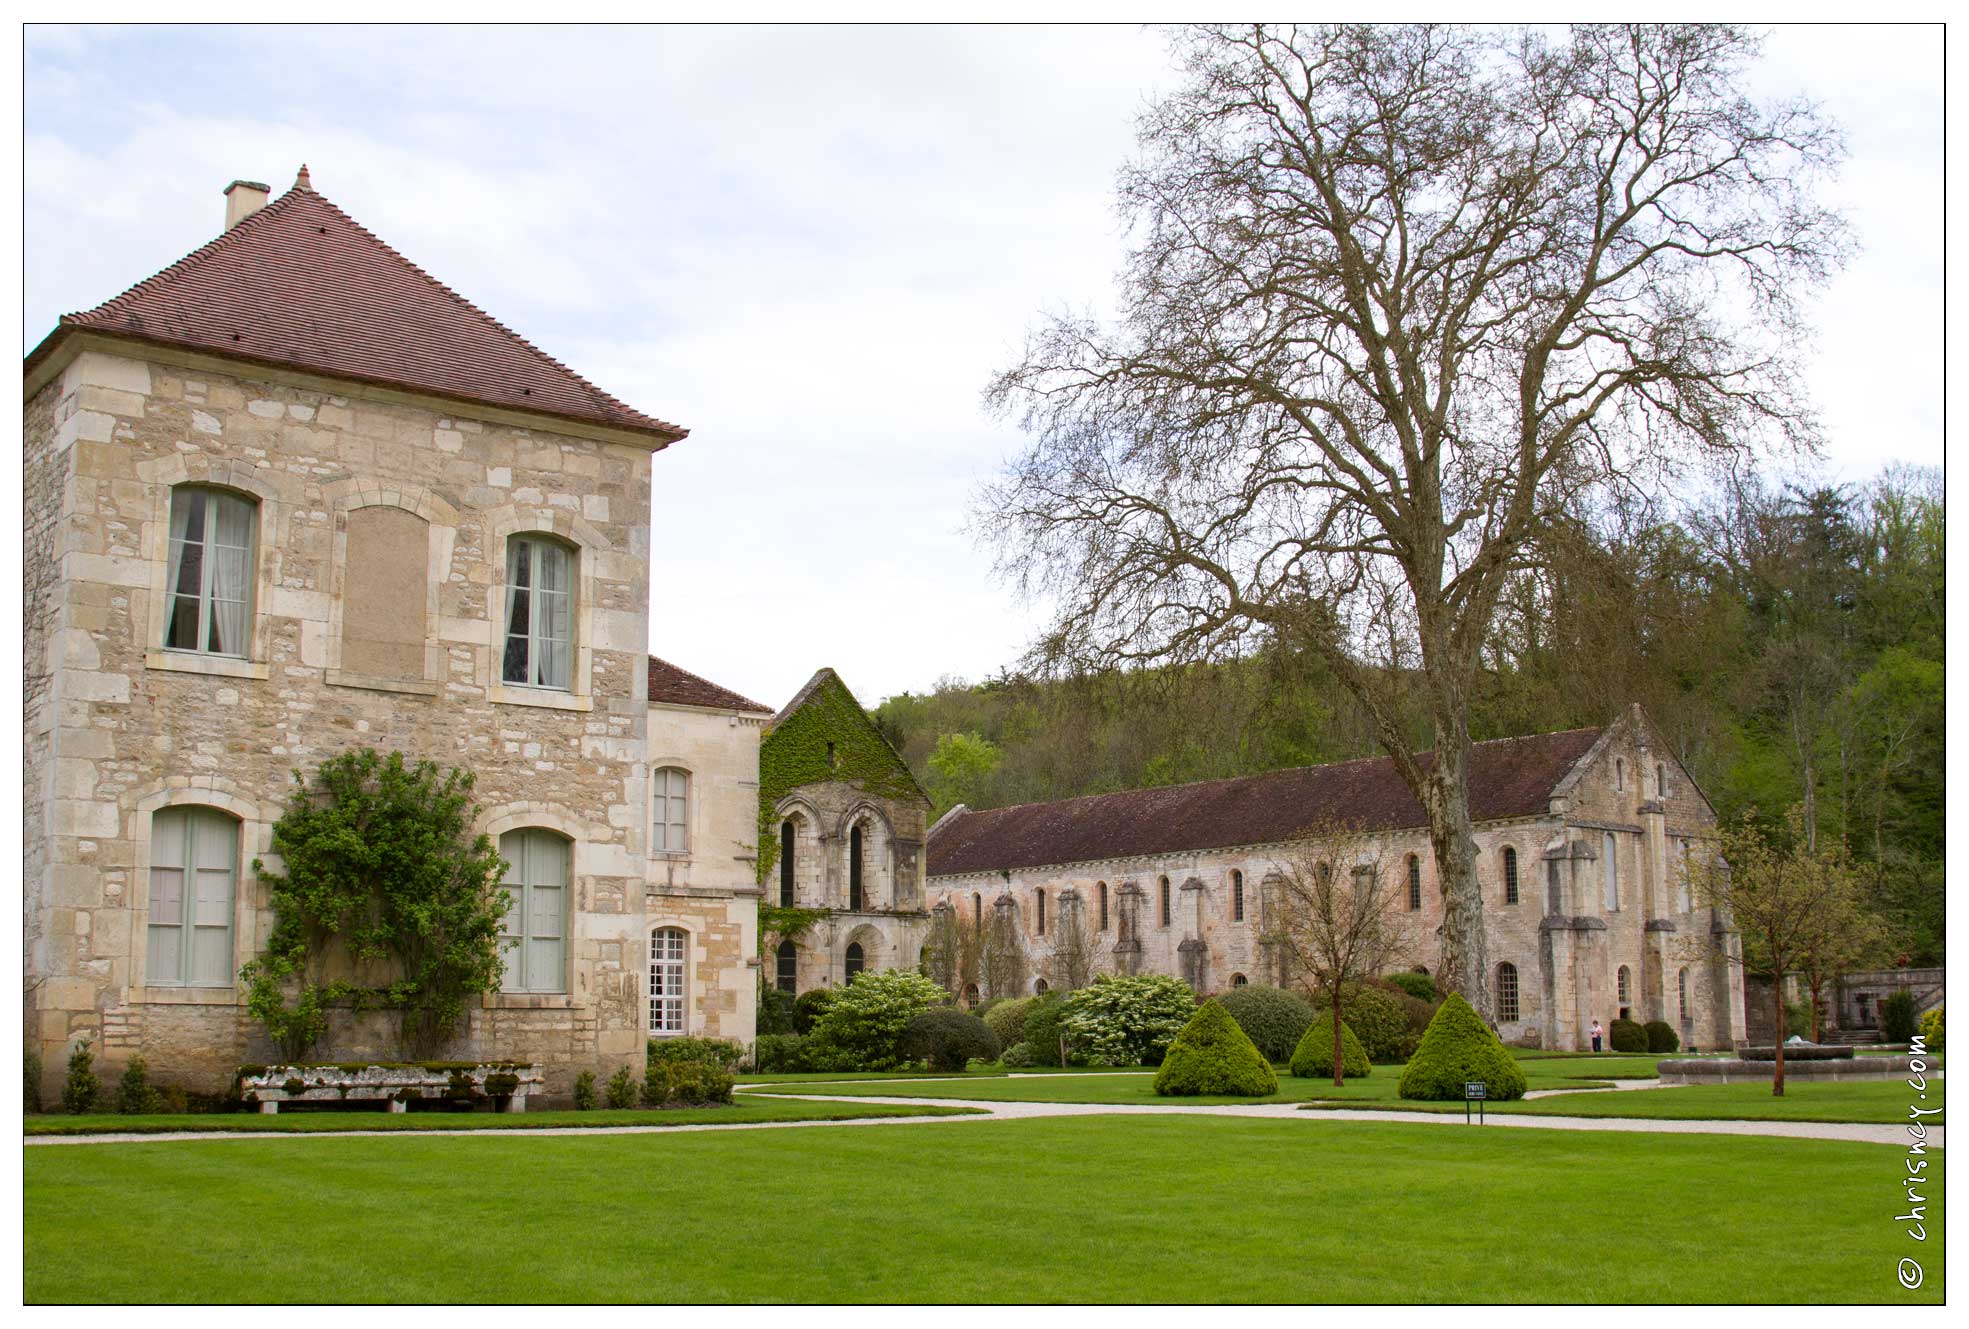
(1074, 951)
(1337, 920)
(1783, 894)
(1004, 957)
(1399, 296)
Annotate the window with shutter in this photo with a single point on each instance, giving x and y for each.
(672, 821)
(533, 938)
(194, 862)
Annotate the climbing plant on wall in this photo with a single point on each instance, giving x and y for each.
(385, 885)
(827, 737)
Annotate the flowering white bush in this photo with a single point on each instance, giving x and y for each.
(1128, 1021)
(863, 1023)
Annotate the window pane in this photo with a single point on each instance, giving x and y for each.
(544, 911)
(211, 964)
(163, 960)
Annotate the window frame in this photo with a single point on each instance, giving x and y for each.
(249, 603)
(857, 855)
(786, 967)
(664, 965)
(1039, 911)
(1415, 883)
(1101, 889)
(1610, 872)
(1509, 859)
(660, 823)
(854, 963)
(1162, 901)
(523, 909)
(1507, 1001)
(510, 589)
(1237, 896)
(187, 926)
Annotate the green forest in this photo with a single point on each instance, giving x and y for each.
(1786, 637)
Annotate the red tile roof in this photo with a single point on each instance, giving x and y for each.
(671, 686)
(1509, 777)
(300, 283)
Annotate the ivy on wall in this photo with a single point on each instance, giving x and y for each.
(827, 737)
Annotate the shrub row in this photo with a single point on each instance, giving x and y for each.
(1627, 1036)
(1272, 1018)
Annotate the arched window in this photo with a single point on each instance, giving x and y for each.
(1039, 986)
(533, 938)
(970, 996)
(666, 981)
(786, 839)
(1237, 902)
(854, 868)
(210, 581)
(1414, 883)
(1162, 901)
(977, 908)
(1611, 871)
(854, 962)
(1619, 773)
(539, 612)
(1510, 875)
(786, 966)
(1238, 980)
(193, 858)
(1682, 992)
(1039, 910)
(1507, 992)
(672, 785)
(1102, 888)
(1688, 881)
(1621, 983)
(1661, 780)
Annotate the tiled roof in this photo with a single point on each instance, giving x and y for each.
(671, 686)
(1509, 777)
(300, 283)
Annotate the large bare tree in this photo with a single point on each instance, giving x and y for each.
(1399, 297)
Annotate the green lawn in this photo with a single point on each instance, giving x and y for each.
(1102, 1209)
(1876, 1101)
(979, 1072)
(744, 1110)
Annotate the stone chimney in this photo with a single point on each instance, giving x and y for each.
(243, 199)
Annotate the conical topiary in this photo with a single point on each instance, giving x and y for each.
(1458, 1047)
(1213, 1056)
(1313, 1058)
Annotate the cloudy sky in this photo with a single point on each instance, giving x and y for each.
(812, 246)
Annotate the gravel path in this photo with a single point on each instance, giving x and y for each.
(996, 1111)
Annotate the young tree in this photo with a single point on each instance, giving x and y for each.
(1003, 960)
(1786, 897)
(379, 863)
(1074, 953)
(1337, 921)
(1400, 294)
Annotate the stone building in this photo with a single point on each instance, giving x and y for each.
(1581, 836)
(842, 828)
(289, 496)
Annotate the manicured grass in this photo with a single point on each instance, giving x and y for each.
(1101, 1209)
(1882, 1102)
(305, 1123)
(975, 1072)
(1136, 1087)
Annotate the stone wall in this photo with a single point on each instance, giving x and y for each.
(135, 728)
(892, 924)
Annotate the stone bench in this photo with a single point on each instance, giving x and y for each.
(397, 1085)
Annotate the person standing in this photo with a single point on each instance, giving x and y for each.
(1596, 1035)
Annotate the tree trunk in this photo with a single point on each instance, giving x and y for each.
(1465, 955)
(1339, 1047)
(1777, 1071)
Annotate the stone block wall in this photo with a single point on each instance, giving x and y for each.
(122, 728)
(892, 923)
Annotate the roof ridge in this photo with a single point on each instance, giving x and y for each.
(1275, 770)
(667, 664)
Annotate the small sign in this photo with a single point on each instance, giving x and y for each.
(1473, 1089)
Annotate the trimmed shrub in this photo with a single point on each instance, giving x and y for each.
(947, 1039)
(864, 1022)
(81, 1089)
(135, 1095)
(1272, 1018)
(1044, 1027)
(1419, 986)
(1931, 1030)
(775, 1010)
(621, 1091)
(1211, 1055)
(780, 1053)
(1313, 1058)
(809, 1006)
(1662, 1037)
(1897, 1016)
(722, 1051)
(686, 1084)
(584, 1092)
(31, 1081)
(1007, 1020)
(1129, 1020)
(1016, 1057)
(1627, 1036)
(1457, 1047)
